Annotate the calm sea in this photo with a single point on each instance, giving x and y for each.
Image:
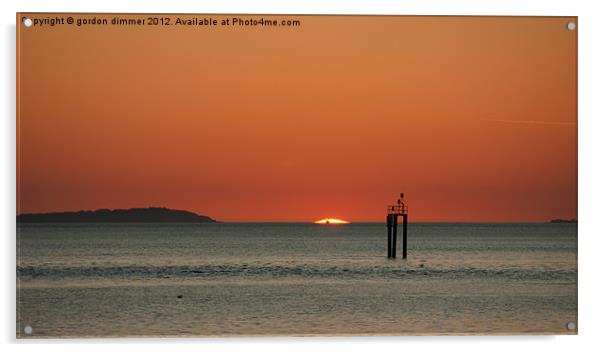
(138, 280)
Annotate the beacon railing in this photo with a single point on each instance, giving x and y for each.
(397, 209)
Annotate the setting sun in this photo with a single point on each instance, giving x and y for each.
(331, 221)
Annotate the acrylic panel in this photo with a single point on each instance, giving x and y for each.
(194, 175)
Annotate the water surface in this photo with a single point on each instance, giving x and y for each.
(118, 280)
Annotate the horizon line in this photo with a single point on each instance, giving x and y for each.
(571, 219)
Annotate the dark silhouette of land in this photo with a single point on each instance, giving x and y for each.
(118, 215)
(561, 221)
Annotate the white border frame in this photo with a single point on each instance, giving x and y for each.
(590, 172)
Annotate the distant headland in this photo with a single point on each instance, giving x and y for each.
(561, 221)
(150, 214)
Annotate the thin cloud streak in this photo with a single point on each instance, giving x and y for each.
(531, 122)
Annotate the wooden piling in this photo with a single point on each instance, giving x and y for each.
(405, 236)
(394, 249)
(389, 236)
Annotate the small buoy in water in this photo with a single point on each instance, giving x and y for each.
(180, 296)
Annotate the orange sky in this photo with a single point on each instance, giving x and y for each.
(475, 119)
